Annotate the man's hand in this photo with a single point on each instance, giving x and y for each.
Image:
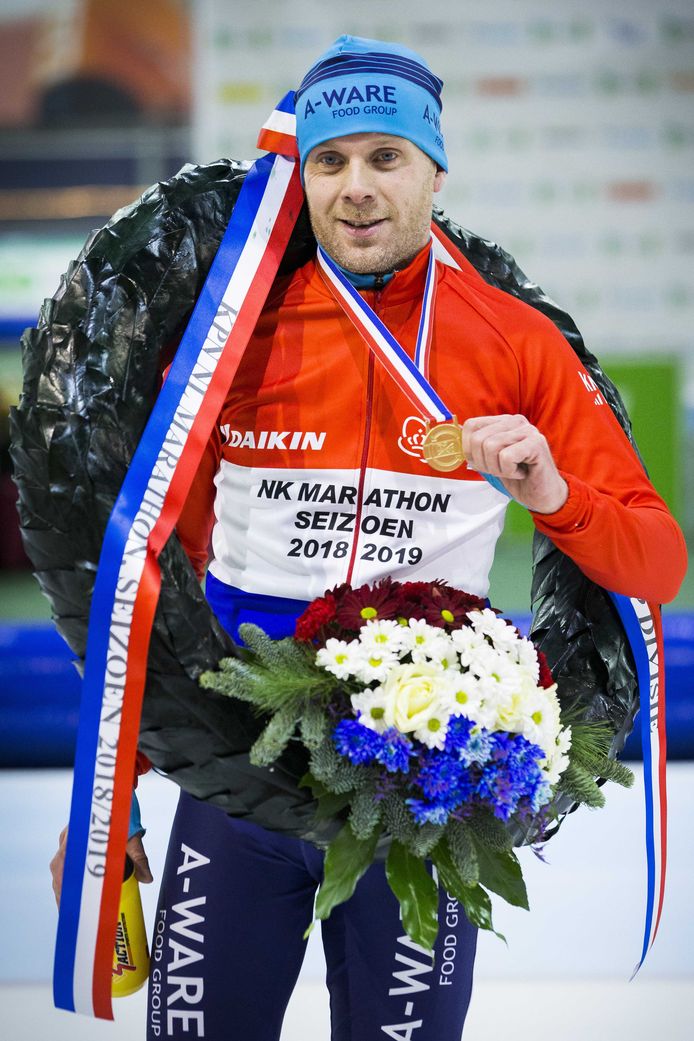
(511, 448)
(134, 849)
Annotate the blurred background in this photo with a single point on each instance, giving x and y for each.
(570, 134)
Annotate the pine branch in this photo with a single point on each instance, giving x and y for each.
(397, 819)
(269, 689)
(279, 654)
(235, 679)
(365, 814)
(578, 783)
(424, 838)
(274, 738)
(336, 773)
(613, 770)
(347, 777)
(602, 766)
(314, 726)
(590, 753)
(490, 830)
(462, 849)
(589, 738)
(324, 762)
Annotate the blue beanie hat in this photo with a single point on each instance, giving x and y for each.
(364, 86)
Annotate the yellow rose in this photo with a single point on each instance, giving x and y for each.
(411, 694)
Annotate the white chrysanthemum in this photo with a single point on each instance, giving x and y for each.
(535, 715)
(441, 651)
(382, 634)
(498, 674)
(374, 665)
(433, 733)
(370, 707)
(418, 636)
(465, 694)
(526, 656)
(503, 636)
(340, 658)
(557, 758)
(467, 642)
(501, 686)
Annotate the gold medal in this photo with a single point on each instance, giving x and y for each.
(443, 446)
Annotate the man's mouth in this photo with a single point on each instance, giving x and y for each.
(361, 228)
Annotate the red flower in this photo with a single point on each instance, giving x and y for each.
(319, 612)
(546, 677)
(354, 607)
(412, 594)
(439, 604)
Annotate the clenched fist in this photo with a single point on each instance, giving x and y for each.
(511, 448)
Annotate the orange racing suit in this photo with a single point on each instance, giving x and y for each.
(315, 473)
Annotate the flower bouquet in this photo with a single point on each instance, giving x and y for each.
(432, 728)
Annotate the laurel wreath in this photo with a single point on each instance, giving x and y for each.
(92, 370)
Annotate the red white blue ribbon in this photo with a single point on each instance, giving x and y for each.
(643, 626)
(278, 132)
(410, 374)
(406, 372)
(128, 579)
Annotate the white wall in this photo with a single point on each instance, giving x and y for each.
(569, 130)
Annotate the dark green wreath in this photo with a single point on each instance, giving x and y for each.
(92, 372)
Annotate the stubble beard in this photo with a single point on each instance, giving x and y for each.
(372, 258)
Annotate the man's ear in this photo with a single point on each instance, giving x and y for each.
(439, 178)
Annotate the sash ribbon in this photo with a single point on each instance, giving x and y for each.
(128, 578)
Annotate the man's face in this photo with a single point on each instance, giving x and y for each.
(370, 199)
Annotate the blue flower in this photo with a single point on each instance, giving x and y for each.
(356, 742)
(445, 783)
(395, 751)
(478, 750)
(425, 813)
(511, 774)
(458, 735)
(439, 776)
(470, 747)
(540, 796)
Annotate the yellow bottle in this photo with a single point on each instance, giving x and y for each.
(131, 953)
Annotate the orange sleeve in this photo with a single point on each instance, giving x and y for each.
(614, 525)
(194, 527)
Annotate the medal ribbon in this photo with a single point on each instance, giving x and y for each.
(394, 358)
(408, 374)
(128, 578)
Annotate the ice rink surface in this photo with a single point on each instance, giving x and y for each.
(563, 976)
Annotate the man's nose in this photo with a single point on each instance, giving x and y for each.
(358, 184)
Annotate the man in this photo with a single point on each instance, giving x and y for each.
(316, 474)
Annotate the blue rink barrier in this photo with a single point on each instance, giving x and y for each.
(40, 691)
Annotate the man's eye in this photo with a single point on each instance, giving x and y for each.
(329, 160)
(387, 157)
